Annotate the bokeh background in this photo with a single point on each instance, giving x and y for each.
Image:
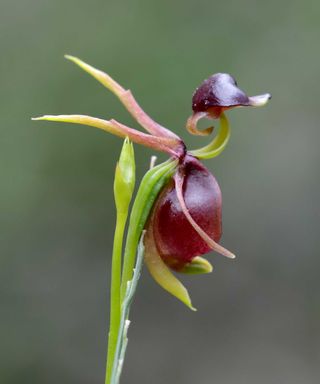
(258, 318)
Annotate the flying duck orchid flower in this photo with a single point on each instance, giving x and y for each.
(184, 221)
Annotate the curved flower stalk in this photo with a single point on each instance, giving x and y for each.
(182, 213)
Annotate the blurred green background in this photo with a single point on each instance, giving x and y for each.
(258, 317)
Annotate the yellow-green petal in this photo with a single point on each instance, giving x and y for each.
(197, 266)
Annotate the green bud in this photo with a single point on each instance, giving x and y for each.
(197, 266)
(124, 177)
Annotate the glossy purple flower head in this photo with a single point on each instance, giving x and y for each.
(215, 95)
(221, 91)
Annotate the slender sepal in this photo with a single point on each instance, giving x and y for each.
(126, 98)
(163, 144)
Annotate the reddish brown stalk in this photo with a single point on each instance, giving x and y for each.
(192, 124)
(174, 147)
(143, 118)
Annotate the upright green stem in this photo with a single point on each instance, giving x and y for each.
(123, 187)
(115, 305)
(121, 292)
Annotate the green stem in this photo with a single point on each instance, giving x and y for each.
(124, 322)
(115, 304)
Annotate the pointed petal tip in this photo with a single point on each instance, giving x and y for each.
(45, 117)
(70, 57)
(225, 252)
(185, 299)
(78, 62)
(188, 303)
(38, 118)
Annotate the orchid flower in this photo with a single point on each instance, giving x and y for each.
(184, 222)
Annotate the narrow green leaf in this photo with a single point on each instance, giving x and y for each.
(149, 189)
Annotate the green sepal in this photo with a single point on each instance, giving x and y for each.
(197, 266)
(161, 273)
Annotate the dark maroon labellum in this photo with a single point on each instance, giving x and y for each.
(217, 93)
(176, 240)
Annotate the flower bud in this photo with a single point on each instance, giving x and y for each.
(124, 177)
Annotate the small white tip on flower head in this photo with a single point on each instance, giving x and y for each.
(259, 100)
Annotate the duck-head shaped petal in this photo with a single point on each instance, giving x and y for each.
(215, 95)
